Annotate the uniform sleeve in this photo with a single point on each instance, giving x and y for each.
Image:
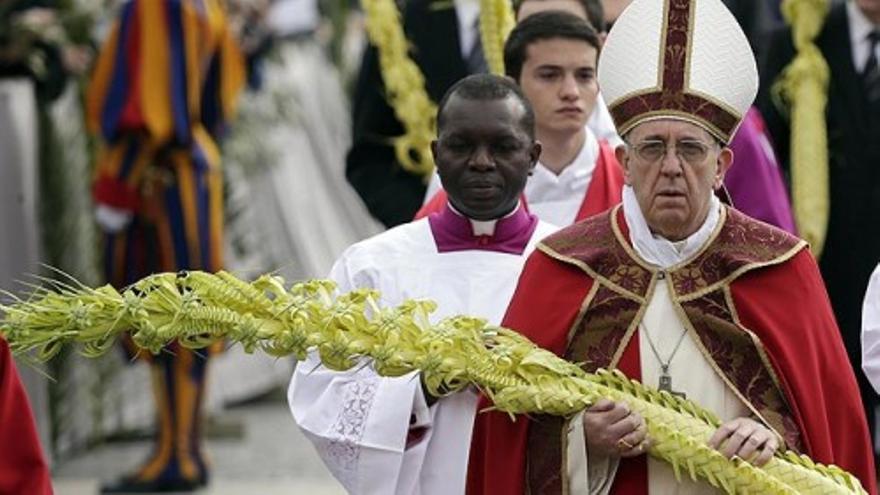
(871, 331)
(23, 468)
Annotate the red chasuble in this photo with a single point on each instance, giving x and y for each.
(22, 466)
(755, 301)
(603, 193)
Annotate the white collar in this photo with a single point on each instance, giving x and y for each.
(655, 249)
(484, 227)
(575, 173)
(859, 29)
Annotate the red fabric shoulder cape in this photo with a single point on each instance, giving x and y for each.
(785, 305)
(603, 193)
(23, 468)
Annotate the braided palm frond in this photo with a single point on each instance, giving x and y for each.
(496, 22)
(197, 308)
(404, 87)
(804, 84)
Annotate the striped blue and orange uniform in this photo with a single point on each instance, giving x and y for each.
(164, 85)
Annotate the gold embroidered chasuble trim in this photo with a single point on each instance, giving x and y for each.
(700, 289)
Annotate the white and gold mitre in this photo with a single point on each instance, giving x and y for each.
(679, 59)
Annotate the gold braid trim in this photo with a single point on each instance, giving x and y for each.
(404, 87)
(197, 308)
(804, 84)
(405, 82)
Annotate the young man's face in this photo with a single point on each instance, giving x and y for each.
(559, 79)
(484, 155)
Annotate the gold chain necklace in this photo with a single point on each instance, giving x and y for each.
(405, 82)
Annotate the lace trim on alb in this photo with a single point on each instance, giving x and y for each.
(343, 450)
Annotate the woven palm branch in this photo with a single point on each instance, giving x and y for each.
(197, 308)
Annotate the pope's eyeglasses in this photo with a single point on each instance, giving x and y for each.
(688, 150)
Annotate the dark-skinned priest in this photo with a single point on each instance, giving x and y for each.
(676, 289)
(388, 435)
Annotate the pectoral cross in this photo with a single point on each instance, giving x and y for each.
(666, 383)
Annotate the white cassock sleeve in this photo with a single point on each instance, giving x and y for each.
(358, 421)
(871, 331)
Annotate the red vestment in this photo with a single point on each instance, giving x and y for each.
(23, 468)
(603, 192)
(755, 300)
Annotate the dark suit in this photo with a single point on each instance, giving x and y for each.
(392, 194)
(757, 18)
(852, 247)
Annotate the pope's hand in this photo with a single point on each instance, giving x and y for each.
(746, 439)
(612, 429)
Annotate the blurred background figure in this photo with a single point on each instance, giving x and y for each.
(290, 146)
(289, 209)
(849, 43)
(164, 86)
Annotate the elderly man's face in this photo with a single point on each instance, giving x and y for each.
(484, 155)
(673, 186)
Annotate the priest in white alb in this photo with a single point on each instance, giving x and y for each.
(387, 435)
(676, 289)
